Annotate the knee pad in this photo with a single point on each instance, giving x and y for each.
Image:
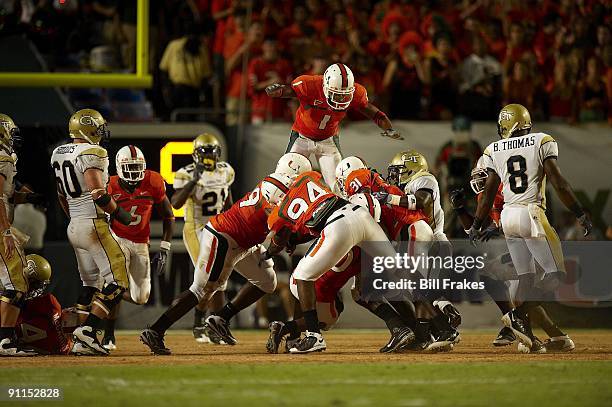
(110, 296)
(83, 303)
(13, 297)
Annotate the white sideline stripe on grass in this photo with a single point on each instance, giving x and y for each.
(327, 382)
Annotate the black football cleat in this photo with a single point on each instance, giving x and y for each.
(519, 327)
(219, 327)
(505, 337)
(400, 337)
(155, 341)
(275, 338)
(311, 342)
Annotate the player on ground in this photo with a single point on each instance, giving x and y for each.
(324, 101)
(230, 240)
(40, 322)
(81, 171)
(403, 219)
(137, 190)
(522, 161)
(558, 341)
(203, 188)
(12, 267)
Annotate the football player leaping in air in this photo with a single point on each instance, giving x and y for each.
(81, 171)
(522, 161)
(203, 187)
(137, 190)
(324, 102)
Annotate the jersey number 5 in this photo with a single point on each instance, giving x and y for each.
(517, 173)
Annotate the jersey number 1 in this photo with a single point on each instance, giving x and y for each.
(324, 121)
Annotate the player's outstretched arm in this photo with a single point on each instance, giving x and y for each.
(179, 197)
(565, 193)
(278, 90)
(93, 181)
(382, 121)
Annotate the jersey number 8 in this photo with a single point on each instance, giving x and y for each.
(519, 173)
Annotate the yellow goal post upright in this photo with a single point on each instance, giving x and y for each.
(140, 79)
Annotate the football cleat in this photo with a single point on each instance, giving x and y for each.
(215, 326)
(290, 343)
(86, 337)
(416, 346)
(275, 338)
(505, 337)
(9, 347)
(559, 344)
(155, 341)
(400, 337)
(444, 340)
(536, 346)
(311, 342)
(109, 342)
(518, 326)
(448, 309)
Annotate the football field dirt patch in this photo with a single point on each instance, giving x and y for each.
(343, 346)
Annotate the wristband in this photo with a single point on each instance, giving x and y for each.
(394, 199)
(412, 201)
(165, 245)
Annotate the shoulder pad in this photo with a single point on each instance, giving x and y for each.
(95, 150)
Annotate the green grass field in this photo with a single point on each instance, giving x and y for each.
(208, 375)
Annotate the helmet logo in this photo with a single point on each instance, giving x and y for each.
(505, 115)
(87, 120)
(412, 158)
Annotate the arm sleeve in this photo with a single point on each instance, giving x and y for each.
(159, 187)
(548, 148)
(231, 175)
(300, 86)
(360, 99)
(181, 178)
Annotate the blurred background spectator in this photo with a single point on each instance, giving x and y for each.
(419, 59)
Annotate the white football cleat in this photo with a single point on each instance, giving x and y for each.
(311, 342)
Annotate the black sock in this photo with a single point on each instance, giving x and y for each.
(388, 314)
(312, 321)
(421, 330)
(7, 332)
(109, 330)
(291, 328)
(227, 312)
(199, 317)
(93, 321)
(162, 324)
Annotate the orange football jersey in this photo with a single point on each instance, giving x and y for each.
(314, 118)
(305, 196)
(152, 190)
(246, 220)
(394, 218)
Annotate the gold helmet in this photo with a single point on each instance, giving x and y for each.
(6, 141)
(404, 166)
(88, 124)
(513, 118)
(206, 151)
(9, 125)
(38, 268)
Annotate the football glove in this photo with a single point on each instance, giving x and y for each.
(473, 235)
(274, 90)
(457, 198)
(158, 263)
(586, 223)
(489, 233)
(391, 133)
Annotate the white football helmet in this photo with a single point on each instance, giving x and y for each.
(478, 176)
(368, 202)
(131, 164)
(274, 187)
(344, 168)
(293, 164)
(338, 86)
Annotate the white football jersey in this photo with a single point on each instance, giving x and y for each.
(429, 183)
(70, 161)
(519, 162)
(8, 170)
(210, 193)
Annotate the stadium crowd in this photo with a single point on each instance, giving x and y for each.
(418, 59)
